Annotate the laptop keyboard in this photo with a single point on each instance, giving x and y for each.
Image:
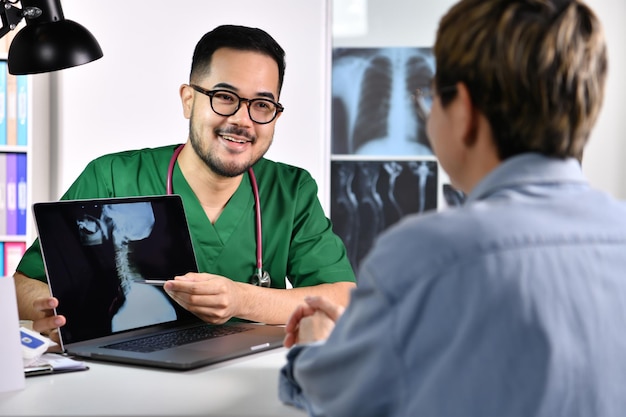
(175, 338)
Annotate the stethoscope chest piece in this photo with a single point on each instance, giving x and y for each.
(261, 279)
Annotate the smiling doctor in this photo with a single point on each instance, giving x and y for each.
(255, 223)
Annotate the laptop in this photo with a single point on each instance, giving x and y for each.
(103, 258)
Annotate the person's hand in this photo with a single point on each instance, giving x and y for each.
(49, 323)
(312, 321)
(213, 298)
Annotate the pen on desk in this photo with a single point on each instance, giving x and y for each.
(151, 281)
(261, 346)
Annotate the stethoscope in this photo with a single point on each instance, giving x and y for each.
(260, 277)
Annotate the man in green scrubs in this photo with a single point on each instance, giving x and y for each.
(231, 102)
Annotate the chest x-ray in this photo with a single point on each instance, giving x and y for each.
(373, 112)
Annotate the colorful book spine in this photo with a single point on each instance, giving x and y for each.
(21, 194)
(3, 102)
(2, 258)
(13, 252)
(11, 109)
(11, 178)
(3, 194)
(22, 110)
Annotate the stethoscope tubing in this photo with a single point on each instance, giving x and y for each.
(257, 205)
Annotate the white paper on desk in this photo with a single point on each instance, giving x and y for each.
(11, 362)
(61, 363)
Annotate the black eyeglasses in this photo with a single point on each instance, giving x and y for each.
(227, 103)
(424, 98)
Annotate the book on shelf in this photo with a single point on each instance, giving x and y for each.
(3, 194)
(13, 193)
(13, 252)
(22, 197)
(11, 182)
(3, 101)
(22, 110)
(2, 259)
(11, 109)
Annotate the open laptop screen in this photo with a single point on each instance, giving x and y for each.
(98, 253)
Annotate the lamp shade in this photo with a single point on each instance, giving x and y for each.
(51, 46)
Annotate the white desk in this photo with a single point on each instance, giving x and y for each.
(241, 387)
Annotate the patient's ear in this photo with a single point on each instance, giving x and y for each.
(466, 114)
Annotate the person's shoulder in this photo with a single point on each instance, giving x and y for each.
(140, 153)
(438, 228)
(431, 241)
(286, 172)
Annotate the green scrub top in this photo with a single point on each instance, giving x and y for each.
(298, 241)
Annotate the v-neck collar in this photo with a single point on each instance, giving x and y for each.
(208, 237)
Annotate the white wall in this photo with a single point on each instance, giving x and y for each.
(129, 98)
(605, 158)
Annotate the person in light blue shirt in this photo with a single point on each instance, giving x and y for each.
(513, 304)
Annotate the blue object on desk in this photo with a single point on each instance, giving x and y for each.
(29, 341)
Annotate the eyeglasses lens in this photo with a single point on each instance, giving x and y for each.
(260, 110)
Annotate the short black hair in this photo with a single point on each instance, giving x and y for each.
(236, 37)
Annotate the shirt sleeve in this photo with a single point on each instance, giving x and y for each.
(356, 371)
(85, 186)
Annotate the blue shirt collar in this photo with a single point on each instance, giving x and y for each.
(528, 169)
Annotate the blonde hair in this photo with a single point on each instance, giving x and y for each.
(535, 68)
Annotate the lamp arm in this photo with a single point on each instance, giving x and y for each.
(10, 16)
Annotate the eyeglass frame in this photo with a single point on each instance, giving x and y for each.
(421, 94)
(210, 93)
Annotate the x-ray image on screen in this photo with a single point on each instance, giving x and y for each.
(123, 225)
(98, 254)
(369, 196)
(373, 111)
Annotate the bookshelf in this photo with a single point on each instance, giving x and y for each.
(24, 158)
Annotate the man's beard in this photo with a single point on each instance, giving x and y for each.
(216, 165)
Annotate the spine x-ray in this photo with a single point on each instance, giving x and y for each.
(370, 196)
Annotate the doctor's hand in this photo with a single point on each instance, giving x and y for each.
(49, 324)
(312, 321)
(213, 298)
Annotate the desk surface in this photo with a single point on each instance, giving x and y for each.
(241, 387)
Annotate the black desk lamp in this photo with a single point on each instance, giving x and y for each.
(49, 42)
